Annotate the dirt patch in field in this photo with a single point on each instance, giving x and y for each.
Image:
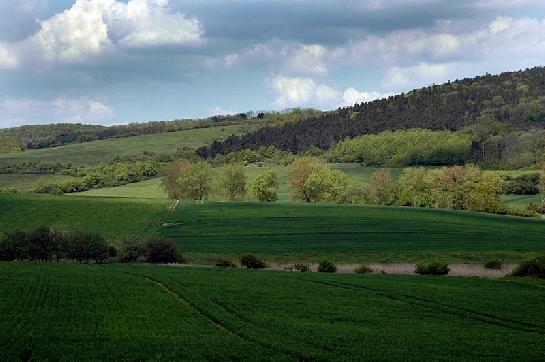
(465, 270)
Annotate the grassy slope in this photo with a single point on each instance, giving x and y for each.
(288, 231)
(112, 217)
(92, 153)
(71, 311)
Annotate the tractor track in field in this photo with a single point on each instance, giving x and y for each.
(466, 313)
(218, 324)
(182, 300)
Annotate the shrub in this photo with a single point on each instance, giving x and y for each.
(46, 188)
(532, 268)
(9, 190)
(326, 266)
(433, 268)
(70, 186)
(523, 185)
(160, 250)
(303, 268)
(224, 263)
(493, 264)
(88, 246)
(363, 269)
(252, 262)
(130, 248)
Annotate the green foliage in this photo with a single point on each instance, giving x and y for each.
(313, 181)
(532, 268)
(160, 250)
(194, 180)
(265, 187)
(9, 189)
(131, 247)
(302, 267)
(493, 264)
(325, 266)
(224, 263)
(10, 145)
(232, 182)
(363, 269)
(42, 187)
(526, 184)
(432, 268)
(252, 262)
(405, 148)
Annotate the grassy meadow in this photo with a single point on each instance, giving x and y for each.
(82, 312)
(93, 153)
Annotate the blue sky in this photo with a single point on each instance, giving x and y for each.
(114, 61)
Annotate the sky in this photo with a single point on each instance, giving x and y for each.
(115, 62)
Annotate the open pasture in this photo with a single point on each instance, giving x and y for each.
(95, 152)
(81, 312)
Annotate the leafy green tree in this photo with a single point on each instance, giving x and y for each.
(265, 187)
(381, 188)
(298, 173)
(485, 195)
(233, 182)
(414, 188)
(170, 181)
(325, 184)
(194, 180)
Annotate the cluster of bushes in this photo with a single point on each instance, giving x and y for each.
(526, 184)
(532, 268)
(45, 244)
(155, 249)
(262, 155)
(413, 147)
(432, 268)
(103, 176)
(8, 190)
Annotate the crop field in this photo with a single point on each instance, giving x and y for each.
(288, 232)
(112, 217)
(93, 153)
(292, 232)
(82, 312)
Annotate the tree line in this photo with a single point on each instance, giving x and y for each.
(512, 99)
(45, 244)
(312, 179)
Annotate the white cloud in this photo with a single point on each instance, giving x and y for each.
(298, 91)
(306, 92)
(309, 59)
(231, 59)
(19, 111)
(90, 27)
(141, 23)
(7, 58)
(352, 96)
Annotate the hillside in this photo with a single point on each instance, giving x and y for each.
(516, 99)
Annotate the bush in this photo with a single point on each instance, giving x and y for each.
(523, 185)
(46, 188)
(9, 190)
(130, 248)
(433, 268)
(363, 269)
(224, 263)
(493, 264)
(71, 186)
(326, 266)
(303, 268)
(252, 262)
(159, 250)
(532, 268)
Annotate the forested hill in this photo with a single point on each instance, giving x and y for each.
(516, 98)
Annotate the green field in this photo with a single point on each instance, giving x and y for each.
(93, 153)
(80, 312)
(288, 232)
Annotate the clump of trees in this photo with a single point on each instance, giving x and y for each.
(313, 180)
(265, 187)
(45, 244)
(155, 250)
(531, 268)
(413, 147)
(432, 268)
(103, 176)
(326, 266)
(252, 262)
(458, 187)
